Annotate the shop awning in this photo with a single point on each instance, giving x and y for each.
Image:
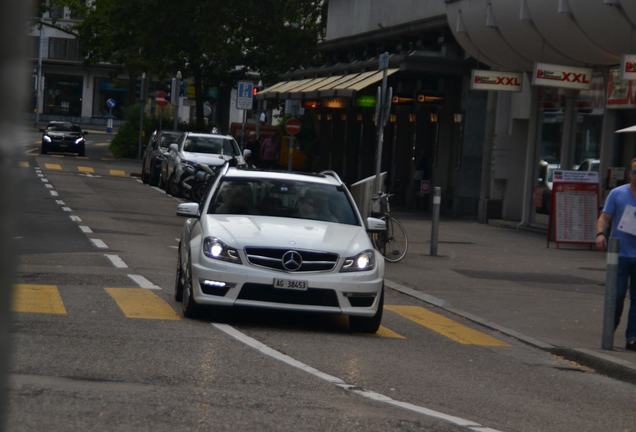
(335, 85)
(626, 130)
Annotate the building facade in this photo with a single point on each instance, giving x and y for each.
(567, 121)
(434, 135)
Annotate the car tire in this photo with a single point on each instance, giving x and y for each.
(368, 324)
(178, 281)
(43, 150)
(144, 176)
(82, 151)
(153, 178)
(189, 306)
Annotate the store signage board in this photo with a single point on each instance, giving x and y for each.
(628, 67)
(549, 75)
(574, 207)
(495, 80)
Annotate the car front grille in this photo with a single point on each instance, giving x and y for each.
(63, 140)
(273, 258)
(309, 297)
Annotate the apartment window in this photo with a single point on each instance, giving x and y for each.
(63, 49)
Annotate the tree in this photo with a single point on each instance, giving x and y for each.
(215, 42)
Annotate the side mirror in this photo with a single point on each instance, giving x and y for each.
(375, 225)
(188, 210)
(174, 147)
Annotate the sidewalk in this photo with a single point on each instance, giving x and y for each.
(508, 280)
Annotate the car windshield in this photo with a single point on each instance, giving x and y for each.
(215, 145)
(167, 139)
(63, 127)
(283, 198)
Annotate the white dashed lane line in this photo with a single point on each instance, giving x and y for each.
(60, 202)
(85, 229)
(54, 193)
(98, 243)
(116, 261)
(67, 209)
(284, 358)
(44, 180)
(75, 218)
(143, 282)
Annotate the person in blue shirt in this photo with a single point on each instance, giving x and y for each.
(617, 201)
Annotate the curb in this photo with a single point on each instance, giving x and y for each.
(600, 362)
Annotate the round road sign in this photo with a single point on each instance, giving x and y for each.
(160, 98)
(292, 126)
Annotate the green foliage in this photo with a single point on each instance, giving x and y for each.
(124, 144)
(213, 41)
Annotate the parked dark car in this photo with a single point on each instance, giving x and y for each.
(63, 137)
(155, 153)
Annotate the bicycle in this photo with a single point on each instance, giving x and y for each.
(393, 242)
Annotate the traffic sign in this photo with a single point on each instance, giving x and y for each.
(292, 126)
(111, 103)
(383, 61)
(245, 95)
(160, 98)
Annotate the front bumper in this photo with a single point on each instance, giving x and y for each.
(248, 285)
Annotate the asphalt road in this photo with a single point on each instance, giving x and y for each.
(99, 343)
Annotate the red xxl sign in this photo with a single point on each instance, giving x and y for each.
(562, 76)
(496, 80)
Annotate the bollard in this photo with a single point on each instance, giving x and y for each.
(609, 311)
(437, 201)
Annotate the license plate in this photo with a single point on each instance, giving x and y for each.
(298, 285)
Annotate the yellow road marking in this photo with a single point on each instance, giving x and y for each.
(53, 166)
(445, 326)
(24, 164)
(118, 173)
(86, 169)
(388, 333)
(44, 299)
(141, 303)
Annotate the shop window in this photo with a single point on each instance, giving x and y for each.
(63, 49)
(63, 95)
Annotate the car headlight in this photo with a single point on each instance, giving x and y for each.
(216, 249)
(46, 138)
(364, 261)
(79, 140)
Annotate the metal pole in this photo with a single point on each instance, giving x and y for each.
(177, 100)
(243, 129)
(609, 311)
(381, 118)
(290, 152)
(437, 202)
(141, 114)
(38, 96)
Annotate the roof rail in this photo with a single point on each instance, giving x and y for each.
(332, 174)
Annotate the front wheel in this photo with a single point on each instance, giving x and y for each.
(189, 306)
(368, 324)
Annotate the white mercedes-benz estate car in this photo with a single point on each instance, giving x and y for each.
(281, 241)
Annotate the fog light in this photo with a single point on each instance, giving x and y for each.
(214, 284)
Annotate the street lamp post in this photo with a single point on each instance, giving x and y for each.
(177, 99)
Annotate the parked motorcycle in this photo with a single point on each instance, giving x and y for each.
(197, 181)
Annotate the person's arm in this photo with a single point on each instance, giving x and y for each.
(601, 228)
(605, 219)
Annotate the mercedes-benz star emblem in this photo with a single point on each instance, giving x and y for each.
(292, 260)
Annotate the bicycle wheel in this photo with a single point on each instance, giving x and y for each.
(396, 241)
(379, 241)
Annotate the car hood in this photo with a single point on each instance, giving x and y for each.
(205, 158)
(276, 232)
